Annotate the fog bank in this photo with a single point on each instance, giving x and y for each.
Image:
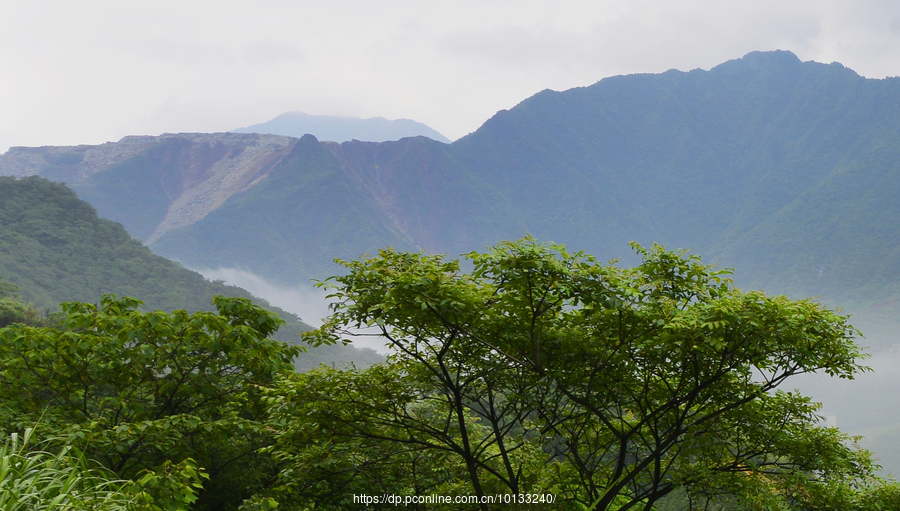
(307, 302)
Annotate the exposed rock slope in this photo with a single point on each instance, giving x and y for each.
(192, 173)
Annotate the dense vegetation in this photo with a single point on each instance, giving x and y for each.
(780, 168)
(611, 387)
(164, 400)
(55, 248)
(35, 480)
(539, 374)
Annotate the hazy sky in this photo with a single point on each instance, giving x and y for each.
(91, 71)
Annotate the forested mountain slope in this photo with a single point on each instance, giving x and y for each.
(720, 162)
(56, 248)
(781, 168)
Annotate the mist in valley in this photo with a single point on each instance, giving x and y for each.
(868, 406)
(309, 303)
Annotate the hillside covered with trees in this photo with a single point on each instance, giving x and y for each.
(55, 249)
(540, 379)
(649, 383)
(780, 168)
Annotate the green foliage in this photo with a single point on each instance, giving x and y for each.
(8, 289)
(56, 249)
(174, 487)
(379, 431)
(36, 480)
(140, 391)
(13, 310)
(610, 387)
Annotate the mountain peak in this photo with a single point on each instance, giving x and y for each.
(343, 129)
(768, 58)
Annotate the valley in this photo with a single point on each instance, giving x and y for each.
(785, 171)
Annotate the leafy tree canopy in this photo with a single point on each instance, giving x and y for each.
(143, 392)
(545, 371)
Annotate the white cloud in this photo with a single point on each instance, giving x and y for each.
(307, 302)
(88, 72)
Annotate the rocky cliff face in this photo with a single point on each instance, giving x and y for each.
(73, 164)
(197, 171)
(320, 200)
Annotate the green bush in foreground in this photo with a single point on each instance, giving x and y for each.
(538, 372)
(35, 480)
(543, 371)
(158, 398)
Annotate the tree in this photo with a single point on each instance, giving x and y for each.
(8, 289)
(386, 430)
(13, 310)
(146, 391)
(634, 382)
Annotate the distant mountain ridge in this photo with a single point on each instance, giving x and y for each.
(155, 184)
(343, 129)
(56, 248)
(782, 169)
(785, 170)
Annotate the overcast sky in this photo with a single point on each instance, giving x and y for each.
(88, 72)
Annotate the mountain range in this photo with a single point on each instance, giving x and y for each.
(55, 249)
(782, 169)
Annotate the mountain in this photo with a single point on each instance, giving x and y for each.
(784, 170)
(55, 248)
(780, 168)
(155, 184)
(326, 200)
(341, 129)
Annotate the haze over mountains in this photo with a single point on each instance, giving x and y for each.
(56, 249)
(343, 129)
(779, 168)
(782, 169)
